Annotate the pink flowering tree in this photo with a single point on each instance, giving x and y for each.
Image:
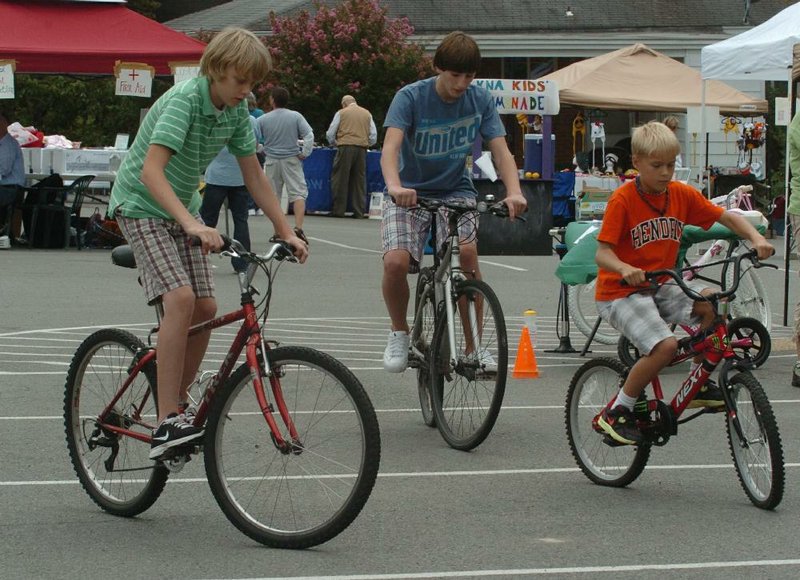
(352, 48)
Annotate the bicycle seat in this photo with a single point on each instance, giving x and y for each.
(123, 256)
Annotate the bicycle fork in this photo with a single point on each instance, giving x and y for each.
(267, 409)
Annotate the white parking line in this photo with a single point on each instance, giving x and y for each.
(546, 571)
(417, 474)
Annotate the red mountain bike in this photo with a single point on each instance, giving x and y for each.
(752, 430)
(291, 443)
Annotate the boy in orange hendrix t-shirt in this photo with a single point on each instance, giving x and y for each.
(641, 232)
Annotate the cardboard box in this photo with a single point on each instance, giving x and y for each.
(592, 202)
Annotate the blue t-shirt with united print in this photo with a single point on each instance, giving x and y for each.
(438, 136)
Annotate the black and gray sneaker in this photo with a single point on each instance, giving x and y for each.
(710, 396)
(173, 431)
(619, 424)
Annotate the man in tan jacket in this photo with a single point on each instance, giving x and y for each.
(352, 131)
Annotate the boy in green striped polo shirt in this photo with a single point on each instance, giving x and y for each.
(156, 202)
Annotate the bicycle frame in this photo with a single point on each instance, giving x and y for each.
(249, 338)
(715, 347)
(447, 271)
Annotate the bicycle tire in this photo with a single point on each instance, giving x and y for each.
(98, 368)
(759, 463)
(305, 497)
(467, 398)
(593, 385)
(583, 310)
(751, 300)
(626, 352)
(422, 338)
(740, 328)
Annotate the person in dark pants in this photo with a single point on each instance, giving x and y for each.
(352, 131)
(224, 181)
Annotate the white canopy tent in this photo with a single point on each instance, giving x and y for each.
(765, 52)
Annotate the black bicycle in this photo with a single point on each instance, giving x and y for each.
(460, 388)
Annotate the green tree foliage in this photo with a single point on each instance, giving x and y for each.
(352, 48)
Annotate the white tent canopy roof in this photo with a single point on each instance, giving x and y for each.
(765, 52)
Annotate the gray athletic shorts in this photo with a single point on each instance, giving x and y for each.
(165, 259)
(644, 317)
(407, 229)
(287, 172)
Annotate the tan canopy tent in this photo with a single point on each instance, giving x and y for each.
(638, 78)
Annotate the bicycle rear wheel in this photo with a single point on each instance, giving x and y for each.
(751, 298)
(113, 469)
(422, 338)
(740, 329)
(583, 310)
(758, 455)
(308, 495)
(468, 394)
(593, 386)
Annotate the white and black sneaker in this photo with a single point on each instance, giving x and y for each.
(173, 431)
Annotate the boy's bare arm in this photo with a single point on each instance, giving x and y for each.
(744, 229)
(390, 167)
(507, 168)
(607, 259)
(155, 180)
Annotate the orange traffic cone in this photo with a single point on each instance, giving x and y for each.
(525, 365)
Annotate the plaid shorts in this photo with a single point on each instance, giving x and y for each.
(165, 259)
(644, 317)
(407, 229)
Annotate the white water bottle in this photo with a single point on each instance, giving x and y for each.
(530, 322)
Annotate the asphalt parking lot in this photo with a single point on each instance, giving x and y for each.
(516, 506)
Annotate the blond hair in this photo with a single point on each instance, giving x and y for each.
(240, 49)
(654, 139)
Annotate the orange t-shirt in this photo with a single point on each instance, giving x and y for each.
(641, 237)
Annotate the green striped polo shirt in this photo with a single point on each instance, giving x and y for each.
(185, 120)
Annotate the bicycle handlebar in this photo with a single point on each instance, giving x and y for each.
(280, 250)
(499, 208)
(677, 275)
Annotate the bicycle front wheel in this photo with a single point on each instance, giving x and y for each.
(593, 386)
(758, 453)
(422, 337)
(307, 495)
(583, 311)
(114, 469)
(751, 298)
(468, 382)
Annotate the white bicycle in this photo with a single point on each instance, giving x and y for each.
(751, 298)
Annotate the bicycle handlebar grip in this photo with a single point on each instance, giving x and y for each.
(226, 242)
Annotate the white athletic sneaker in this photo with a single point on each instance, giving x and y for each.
(395, 357)
(487, 361)
(484, 359)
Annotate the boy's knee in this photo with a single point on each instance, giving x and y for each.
(205, 308)
(395, 263)
(666, 349)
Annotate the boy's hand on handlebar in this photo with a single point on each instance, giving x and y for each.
(209, 238)
(764, 249)
(403, 196)
(633, 276)
(517, 204)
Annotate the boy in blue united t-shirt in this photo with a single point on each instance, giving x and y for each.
(431, 126)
